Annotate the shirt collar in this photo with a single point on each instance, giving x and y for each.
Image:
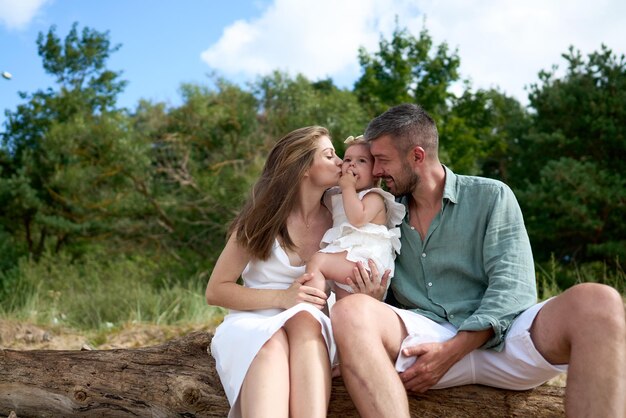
(450, 190)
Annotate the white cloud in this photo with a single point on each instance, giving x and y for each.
(501, 43)
(317, 38)
(506, 43)
(16, 14)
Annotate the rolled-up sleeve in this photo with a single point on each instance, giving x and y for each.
(509, 266)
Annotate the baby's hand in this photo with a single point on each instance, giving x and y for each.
(347, 180)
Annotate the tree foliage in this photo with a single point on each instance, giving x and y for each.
(576, 210)
(573, 158)
(81, 176)
(67, 150)
(407, 69)
(287, 103)
(580, 115)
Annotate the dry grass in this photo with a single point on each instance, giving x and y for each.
(26, 336)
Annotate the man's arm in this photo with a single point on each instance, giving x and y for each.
(509, 266)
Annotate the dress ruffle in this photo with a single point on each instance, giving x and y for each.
(395, 210)
(344, 235)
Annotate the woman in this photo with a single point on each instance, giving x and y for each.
(273, 351)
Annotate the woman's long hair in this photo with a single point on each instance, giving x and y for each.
(263, 217)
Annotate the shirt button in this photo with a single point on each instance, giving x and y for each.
(413, 228)
(430, 284)
(451, 316)
(423, 255)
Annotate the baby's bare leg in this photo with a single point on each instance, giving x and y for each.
(329, 266)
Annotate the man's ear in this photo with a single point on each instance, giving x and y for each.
(418, 154)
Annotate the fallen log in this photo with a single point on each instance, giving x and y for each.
(178, 378)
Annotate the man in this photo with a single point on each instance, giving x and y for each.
(465, 283)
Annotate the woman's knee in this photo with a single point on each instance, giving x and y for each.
(276, 348)
(303, 323)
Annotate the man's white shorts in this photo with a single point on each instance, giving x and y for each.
(518, 367)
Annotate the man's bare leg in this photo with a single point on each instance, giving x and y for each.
(585, 327)
(368, 336)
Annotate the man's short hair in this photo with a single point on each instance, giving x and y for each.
(409, 125)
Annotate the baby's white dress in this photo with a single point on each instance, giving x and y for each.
(241, 335)
(371, 241)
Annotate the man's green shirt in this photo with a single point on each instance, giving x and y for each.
(475, 267)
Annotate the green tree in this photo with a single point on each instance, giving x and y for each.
(480, 133)
(580, 115)
(474, 128)
(288, 103)
(69, 159)
(407, 69)
(573, 158)
(205, 154)
(576, 211)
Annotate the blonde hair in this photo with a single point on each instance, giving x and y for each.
(263, 217)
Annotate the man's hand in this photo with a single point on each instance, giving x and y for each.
(368, 283)
(433, 361)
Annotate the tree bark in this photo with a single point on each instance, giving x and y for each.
(178, 378)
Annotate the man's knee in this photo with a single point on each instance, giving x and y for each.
(350, 314)
(596, 304)
(597, 297)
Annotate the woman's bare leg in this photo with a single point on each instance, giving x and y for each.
(265, 389)
(309, 367)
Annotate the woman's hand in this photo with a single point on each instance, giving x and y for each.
(368, 283)
(299, 292)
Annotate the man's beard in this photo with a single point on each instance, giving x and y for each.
(403, 184)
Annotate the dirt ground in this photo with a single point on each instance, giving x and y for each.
(24, 336)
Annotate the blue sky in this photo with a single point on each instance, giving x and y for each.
(502, 43)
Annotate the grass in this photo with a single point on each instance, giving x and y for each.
(554, 277)
(100, 294)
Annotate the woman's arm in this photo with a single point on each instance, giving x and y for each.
(223, 290)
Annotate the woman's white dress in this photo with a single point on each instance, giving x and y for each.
(242, 333)
(371, 241)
